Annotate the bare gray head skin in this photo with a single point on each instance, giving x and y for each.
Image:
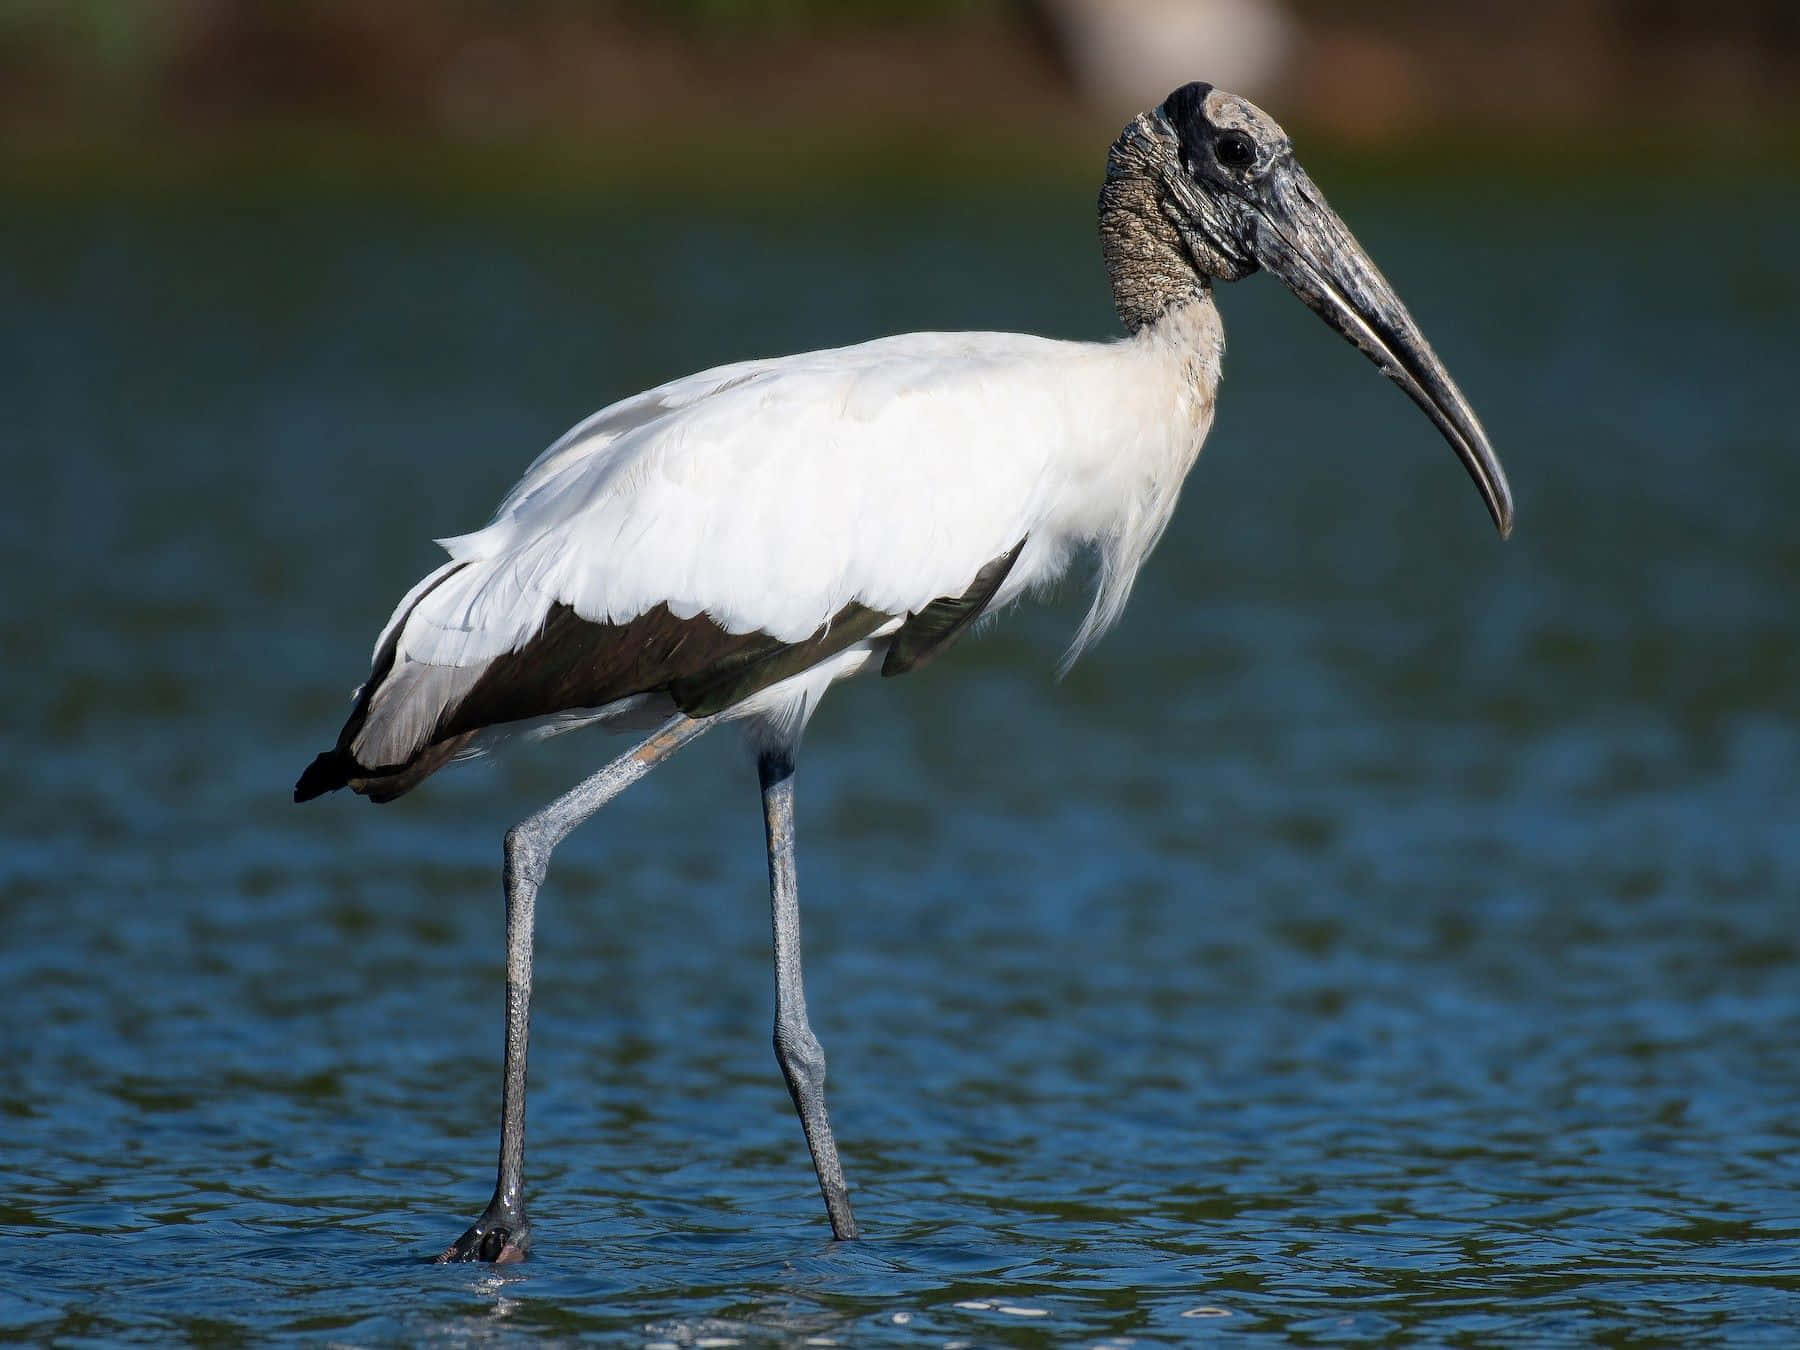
(1206, 188)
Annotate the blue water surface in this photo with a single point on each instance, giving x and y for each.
(1384, 935)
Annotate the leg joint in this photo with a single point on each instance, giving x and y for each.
(527, 859)
(801, 1056)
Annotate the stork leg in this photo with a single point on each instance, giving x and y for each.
(802, 1058)
(503, 1233)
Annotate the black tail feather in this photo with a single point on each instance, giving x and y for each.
(327, 773)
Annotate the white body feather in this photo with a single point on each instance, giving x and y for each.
(770, 494)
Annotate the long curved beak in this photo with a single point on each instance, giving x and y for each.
(1295, 235)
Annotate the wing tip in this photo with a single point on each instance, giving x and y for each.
(328, 772)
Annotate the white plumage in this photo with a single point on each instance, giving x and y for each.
(768, 495)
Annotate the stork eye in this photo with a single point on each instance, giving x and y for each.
(1235, 150)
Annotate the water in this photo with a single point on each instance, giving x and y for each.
(1384, 935)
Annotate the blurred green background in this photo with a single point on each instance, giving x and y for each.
(536, 90)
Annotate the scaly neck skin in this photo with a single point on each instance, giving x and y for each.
(1151, 269)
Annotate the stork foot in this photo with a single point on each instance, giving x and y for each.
(496, 1237)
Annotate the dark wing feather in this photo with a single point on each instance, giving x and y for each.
(337, 767)
(928, 633)
(577, 663)
(573, 663)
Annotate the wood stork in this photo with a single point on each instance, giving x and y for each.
(726, 546)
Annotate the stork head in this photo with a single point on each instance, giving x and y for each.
(1222, 177)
